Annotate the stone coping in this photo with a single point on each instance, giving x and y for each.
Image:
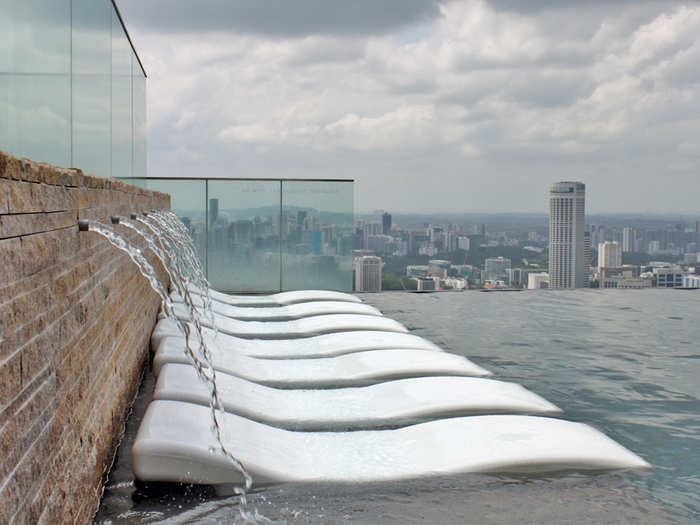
(27, 170)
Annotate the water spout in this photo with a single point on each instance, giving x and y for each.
(203, 365)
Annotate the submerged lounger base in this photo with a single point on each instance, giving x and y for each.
(174, 443)
(384, 405)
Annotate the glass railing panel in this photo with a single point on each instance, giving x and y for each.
(35, 117)
(122, 128)
(188, 201)
(35, 57)
(139, 118)
(91, 94)
(5, 144)
(92, 127)
(35, 36)
(317, 229)
(244, 242)
(236, 226)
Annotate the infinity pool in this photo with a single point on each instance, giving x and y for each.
(625, 362)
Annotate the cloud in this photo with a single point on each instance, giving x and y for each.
(538, 6)
(493, 101)
(281, 18)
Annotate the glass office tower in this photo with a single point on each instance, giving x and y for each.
(72, 88)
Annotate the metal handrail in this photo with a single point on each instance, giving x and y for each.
(128, 37)
(275, 179)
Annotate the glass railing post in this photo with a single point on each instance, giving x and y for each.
(281, 234)
(206, 230)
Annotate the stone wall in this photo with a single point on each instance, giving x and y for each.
(75, 320)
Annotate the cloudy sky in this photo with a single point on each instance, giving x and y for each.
(464, 106)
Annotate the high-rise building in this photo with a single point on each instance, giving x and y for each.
(463, 243)
(514, 277)
(301, 223)
(213, 211)
(587, 257)
(368, 274)
(609, 255)
(386, 223)
(538, 281)
(567, 201)
(628, 236)
(496, 268)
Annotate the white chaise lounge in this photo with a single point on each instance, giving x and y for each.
(175, 443)
(305, 327)
(283, 313)
(384, 405)
(356, 369)
(278, 299)
(326, 345)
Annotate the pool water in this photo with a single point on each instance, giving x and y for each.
(626, 362)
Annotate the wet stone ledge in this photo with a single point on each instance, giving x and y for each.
(75, 320)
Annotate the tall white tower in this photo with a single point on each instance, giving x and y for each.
(567, 203)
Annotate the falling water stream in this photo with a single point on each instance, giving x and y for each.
(169, 241)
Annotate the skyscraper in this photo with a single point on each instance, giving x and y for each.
(496, 268)
(628, 236)
(567, 201)
(213, 211)
(587, 258)
(386, 223)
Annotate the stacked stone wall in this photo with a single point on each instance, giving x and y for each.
(75, 321)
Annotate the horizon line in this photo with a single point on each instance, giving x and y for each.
(618, 213)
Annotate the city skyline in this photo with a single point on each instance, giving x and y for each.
(430, 105)
(437, 256)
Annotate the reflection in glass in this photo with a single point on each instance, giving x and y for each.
(35, 36)
(35, 79)
(92, 140)
(91, 37)
(121, 101)
(236, 227)
(91, 94)
(317, 228)
(244, 242)
(35, 111)
(138, 119)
